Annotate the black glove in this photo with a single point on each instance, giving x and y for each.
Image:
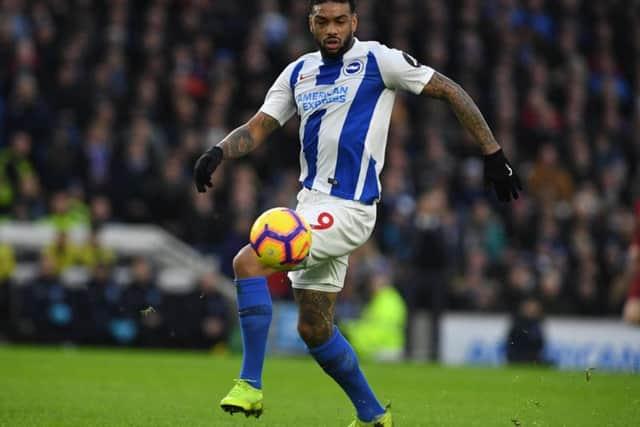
(498, 171)
(205, 166)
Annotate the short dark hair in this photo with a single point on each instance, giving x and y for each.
(352, 3)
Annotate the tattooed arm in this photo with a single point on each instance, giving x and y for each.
(247, 137)
(497, 169)
(466, 110)
(239, 142)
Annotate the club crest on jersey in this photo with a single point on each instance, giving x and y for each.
(353, 68)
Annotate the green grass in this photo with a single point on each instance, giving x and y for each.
(58, 387)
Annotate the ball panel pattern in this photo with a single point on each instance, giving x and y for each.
(281, 238)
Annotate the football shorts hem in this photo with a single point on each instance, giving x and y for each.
(314, 286)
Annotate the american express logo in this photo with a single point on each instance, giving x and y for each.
(312, 100)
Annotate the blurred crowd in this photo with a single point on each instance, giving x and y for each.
(84, 294)
(105, 105)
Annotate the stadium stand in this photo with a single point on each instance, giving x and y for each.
(104, 106)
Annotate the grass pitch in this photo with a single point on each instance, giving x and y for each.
(62, 387)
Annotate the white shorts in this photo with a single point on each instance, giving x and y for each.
(339, 227)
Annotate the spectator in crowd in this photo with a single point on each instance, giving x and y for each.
(96, 157)
(141, 307)
(100, 211)
(7, 263)
(474, 289)
(29, 203)
(28, 110)
(170, 196)
(48, 304)
(15, 167)
(550, 181)
(7, 267)
(553, 293)
(213, 312)
(104, 299)
(93, 254)
(631, 312)
(204, 227)
(525, 340)
(137, 170)
(430, 248)
(379, 332)
(67, 210)
(62, 252)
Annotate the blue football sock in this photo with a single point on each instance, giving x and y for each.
(254, 309)
(338, 359)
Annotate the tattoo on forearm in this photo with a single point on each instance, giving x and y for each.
(247, 137)
(316, 312)
(465, 109)
(238, 143)
(268, 123)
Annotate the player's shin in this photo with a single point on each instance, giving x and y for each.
(254, 310)
(337, 358)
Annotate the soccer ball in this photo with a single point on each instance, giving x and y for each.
(281, 238)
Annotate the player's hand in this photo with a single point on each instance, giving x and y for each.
(499, 173)
(204, 168)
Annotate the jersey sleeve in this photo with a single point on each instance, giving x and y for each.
(402, 71)
(279, 103)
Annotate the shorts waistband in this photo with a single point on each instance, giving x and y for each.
(313, 191)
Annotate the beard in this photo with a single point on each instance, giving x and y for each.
(348, 42)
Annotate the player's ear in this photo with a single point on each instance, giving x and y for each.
(311, 23)
(354, 22)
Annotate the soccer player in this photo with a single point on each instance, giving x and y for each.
(344, 95)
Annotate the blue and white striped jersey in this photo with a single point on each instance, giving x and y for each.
(345, 108)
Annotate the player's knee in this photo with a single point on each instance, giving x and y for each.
(245, 264)
(314, 334)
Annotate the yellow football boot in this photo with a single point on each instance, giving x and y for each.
(243, 398)
(383, 420)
